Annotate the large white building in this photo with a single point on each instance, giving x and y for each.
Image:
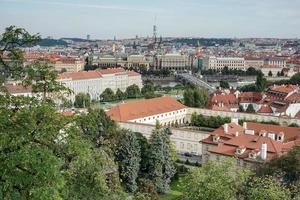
(218, 63)
(95, 82)
(173, 62)
(165, 109)
(141, 116)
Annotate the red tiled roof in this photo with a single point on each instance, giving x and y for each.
(143, 108)
(265, 109)
(111, 70)
(16, 89)
(293, 98)
(224, 98)
(283, 88)
(79, 75)
(133, 73)
(229, 142)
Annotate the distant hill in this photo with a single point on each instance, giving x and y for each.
(203, 41)
(75, 39)
(52, 42)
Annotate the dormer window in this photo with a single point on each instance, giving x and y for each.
(216, 138)
(280, 137)
(252, 155)
(240, 150)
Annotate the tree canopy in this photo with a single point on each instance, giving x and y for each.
(196, 97)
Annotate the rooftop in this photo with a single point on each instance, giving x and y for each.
(143, 108)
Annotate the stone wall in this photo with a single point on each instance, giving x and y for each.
(247, 116)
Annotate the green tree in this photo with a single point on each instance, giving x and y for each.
(148, 88)
(11, 42)
(133, 91)
(99, 128)
(63, 70)
(161, 168)
(278, 74)
(129, 157)
(196, 97)
(224, 84)
(261, 188)
(45, 155)
(108, 95)
(120, 95)
(43, 79)
(168, 158)
(82, 100)
(287, 166)
(270, 73)
(225, 70)
(261, 82)
(218, 181)
(250, 109)
(295, 79)
(144, 164)
(241, 108)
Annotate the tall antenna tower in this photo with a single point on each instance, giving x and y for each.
(155, 30)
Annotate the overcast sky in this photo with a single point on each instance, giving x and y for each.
(104, 19)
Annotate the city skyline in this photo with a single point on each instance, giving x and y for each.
(105, 19)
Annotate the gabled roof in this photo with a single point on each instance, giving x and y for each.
(265, 109)
(283, 88)
(144, 108)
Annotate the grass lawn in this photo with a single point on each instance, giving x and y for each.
(175, 192)
(107, 105)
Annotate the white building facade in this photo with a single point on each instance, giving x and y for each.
(218, 63)
(95, 82)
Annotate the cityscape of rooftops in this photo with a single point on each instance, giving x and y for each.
(150, 100)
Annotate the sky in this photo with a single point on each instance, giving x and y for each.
(104, 19)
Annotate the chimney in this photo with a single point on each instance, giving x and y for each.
(245, 125)
(225, 128)
(236, 134)
(263, 151)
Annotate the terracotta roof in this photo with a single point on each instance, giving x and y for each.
(224, 98)
(143, 108)
(16, 89)
(283, 88)
(250, 97)
(79, 75)
(68, 113)
(133, 73)
(293, 98)
(265, 109)
(111, 70)
(229, 142)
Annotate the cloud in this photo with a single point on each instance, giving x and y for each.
(87, 5)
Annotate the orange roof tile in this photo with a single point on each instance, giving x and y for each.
(283, 88)
(143, 108)
(79, 75)
(265, 109)
(15, 89)
(111, 70)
